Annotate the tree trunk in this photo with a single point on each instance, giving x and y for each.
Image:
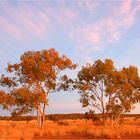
(43, 115)
(112, 120)
(38, 116)
(42, 120)
(104, 118)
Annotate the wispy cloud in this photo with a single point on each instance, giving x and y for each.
(126, 7)
(65, 17)
(23, 21)
(11, 29)
(90, 29)
(109, 29)
(88, 5)
(87, 27)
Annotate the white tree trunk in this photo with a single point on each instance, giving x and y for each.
(38, 116)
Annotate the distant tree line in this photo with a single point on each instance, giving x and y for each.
(58, 117)
(38, 73)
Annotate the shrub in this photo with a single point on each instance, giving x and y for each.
(63, 123)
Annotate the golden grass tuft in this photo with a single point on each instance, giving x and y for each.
(22, 130)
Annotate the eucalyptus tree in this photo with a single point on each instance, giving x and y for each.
(110, 91)
(36, 75)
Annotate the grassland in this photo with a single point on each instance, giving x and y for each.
(28, 130)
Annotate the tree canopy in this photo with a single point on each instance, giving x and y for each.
(37, 74)
(101, 86)
(104, 88)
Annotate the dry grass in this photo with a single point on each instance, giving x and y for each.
(22, 130)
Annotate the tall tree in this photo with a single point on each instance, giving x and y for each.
(108, 90)
(39, 72)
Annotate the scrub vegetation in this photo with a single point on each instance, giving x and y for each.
(100, 86)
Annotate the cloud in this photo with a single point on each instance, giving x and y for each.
(95, 35)
(23, 21)
(91, 25)
(126, 7)
(26, 20)
(66, 17)
(88, 5)
(11, 29)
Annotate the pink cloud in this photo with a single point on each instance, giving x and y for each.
(11, 29)
(93, 35)
(107, 29)
(126, 6)
(27, 21)
(86, 32)
(88, 5)
(24, 22)
(66, 17)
